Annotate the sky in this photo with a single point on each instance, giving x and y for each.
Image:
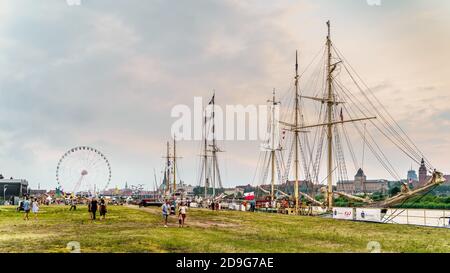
(107, 73)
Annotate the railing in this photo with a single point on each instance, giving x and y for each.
(419, 217)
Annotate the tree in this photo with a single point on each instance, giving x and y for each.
(394, 191)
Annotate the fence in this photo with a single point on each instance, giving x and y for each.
(420, 217)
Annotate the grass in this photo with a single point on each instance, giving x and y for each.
(130, 229)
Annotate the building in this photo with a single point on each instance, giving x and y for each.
(233, 191)
(361, 185)
(424, 177)
(422, 173)
(303, 185)
(13, 188)
(37, 193)
(186, 190)
(412, 175)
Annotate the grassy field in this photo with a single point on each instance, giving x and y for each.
(130, 229)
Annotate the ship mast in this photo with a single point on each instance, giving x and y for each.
(296, 131)
(273, 148)
(205, 156)
(330, 124)
(295, 127)
(174, 165)
(330, 101)
(168, 169)
(210, 175)
(214, 159)
(214, 150)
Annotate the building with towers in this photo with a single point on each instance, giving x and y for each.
(422, 173)
(361, 185)
(424, 177)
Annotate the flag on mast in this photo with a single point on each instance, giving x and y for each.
(212, 100)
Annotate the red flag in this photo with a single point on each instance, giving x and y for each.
(249, 196)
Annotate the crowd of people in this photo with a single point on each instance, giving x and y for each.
(32, 205)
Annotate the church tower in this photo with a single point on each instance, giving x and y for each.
(360, 181)
(422, 173)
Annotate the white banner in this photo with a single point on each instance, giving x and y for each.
(343, 213)
(368, 215)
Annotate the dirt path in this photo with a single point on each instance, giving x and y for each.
(191, 221)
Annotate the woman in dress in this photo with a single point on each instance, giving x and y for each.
(35, 208)
(182, 214)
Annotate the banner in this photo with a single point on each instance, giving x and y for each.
(343, 213)
(368, 215)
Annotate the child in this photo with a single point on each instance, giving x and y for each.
(35, 208)
(182, 214)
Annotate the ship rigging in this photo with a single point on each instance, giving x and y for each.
(340, 106)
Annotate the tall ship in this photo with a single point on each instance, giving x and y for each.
(210, 179)
(319, 124)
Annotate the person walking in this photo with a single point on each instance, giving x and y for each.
(89, 208)
(73, 204)
(26, 208)
(35, 208)
(102, 209)
(165, 212)
(94, 207)
(182, 214)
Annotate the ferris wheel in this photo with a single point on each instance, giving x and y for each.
(83, 169)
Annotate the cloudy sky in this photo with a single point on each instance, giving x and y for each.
(108, 72)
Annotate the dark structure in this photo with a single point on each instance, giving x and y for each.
(11, 188)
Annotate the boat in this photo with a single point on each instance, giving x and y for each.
(338, 108)
(210, 176)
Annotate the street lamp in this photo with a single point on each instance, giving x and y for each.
(4, 193)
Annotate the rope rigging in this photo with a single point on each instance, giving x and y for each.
(396, 131)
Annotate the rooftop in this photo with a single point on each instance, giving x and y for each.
(13, 181)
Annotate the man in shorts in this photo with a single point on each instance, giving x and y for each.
(165, 212)
(26, 208)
